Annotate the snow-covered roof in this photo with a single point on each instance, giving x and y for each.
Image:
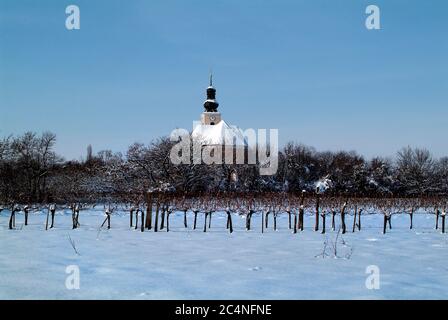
(219, 134)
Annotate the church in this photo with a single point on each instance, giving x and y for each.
(212, 130)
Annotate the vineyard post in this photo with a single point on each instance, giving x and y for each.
(316, 225)
(131, 214)
(205, 221)
(195, 218)
(354, 217)
(437, 218)
(443, 220)
(301, 210)
(344, 207)
(295, 221)
(156, 221)
(142, 224)
(26, 209)
(148, 223)
(323, 221)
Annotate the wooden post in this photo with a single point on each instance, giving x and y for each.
(162, 223)
(443, 221)
(142, 224)
(73, 216)
(301, 210)
(267, 219)
(344, 227)
(53, 211)
(205, 221)
(316, 226)
(301, 214)
(359, 220)
(46, 222)
(437, 218)
(148, 223)
(77, 224)
(210, 220)
(168, 221)
(156, 222)
(248, 219)
(275, 220)
(333, 222)
(295, 221)
(289, 218)
(195, 219)
(229, 221)
(354, 218)
(11, 221)
(107, 219)
(323, 222)
(262, 222)
(26, 209)
(136, 218)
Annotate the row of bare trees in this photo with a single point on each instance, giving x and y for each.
(270, 205)
(152, 210)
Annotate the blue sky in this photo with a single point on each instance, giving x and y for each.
(137, 69)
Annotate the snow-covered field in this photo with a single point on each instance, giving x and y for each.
(189, 264)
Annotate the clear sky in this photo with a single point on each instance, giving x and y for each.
(137, 69)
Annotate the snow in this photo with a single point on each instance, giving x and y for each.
(323, 185)
(219, 134)
(123, 263)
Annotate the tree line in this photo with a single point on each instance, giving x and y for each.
(32, 172)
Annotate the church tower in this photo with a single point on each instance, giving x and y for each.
(211, 116)
(213, 130)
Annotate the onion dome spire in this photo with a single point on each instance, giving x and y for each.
(211, 105)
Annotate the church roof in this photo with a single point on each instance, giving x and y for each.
(219, 134)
